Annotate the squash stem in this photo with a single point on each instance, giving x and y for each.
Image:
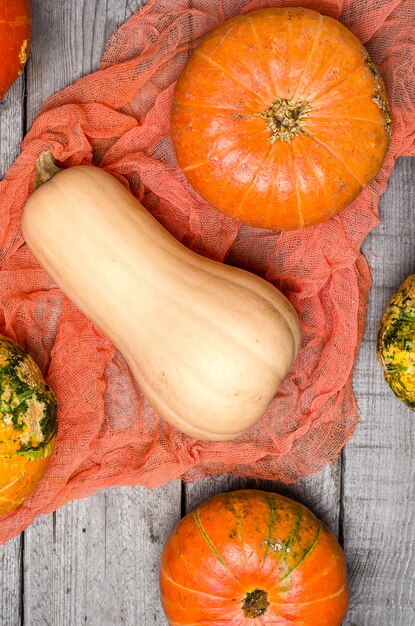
(286, 119)
(255, 603)
(46, 168)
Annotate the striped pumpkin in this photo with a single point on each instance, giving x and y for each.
(250, 557)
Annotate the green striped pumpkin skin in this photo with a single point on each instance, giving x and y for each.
(396, 342)
(252, 557)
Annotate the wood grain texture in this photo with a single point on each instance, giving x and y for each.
(11, 134)
(11, 582)
(69, 38)
(379, 473)
(11, 124)
(96, 561)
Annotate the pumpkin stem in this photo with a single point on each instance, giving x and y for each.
(286, 118)
(255, 603)
(46, 168)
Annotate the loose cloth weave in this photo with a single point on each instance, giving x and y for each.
(118, 118)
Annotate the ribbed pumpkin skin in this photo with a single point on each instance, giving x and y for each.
(15, 31)
(396, 342)
(27, 425)
(257, 543)
(280, 119)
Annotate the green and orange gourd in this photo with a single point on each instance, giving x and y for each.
(28, 423)
(396, 342)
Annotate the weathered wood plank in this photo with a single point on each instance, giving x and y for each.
(10, 582)
(11, 133)
(69, 38)
(379, 473)
(11, 124)
(147, 519)
(94, 561)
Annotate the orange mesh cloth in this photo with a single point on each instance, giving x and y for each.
(118, 118)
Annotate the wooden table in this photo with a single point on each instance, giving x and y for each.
(95, 562)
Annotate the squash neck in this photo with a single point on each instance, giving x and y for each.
(46, 168)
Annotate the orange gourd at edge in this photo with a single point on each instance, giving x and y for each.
(15, 34)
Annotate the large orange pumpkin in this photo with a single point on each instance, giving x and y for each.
(15, 31)
(280, 118)
(250, 557)
(27, 425)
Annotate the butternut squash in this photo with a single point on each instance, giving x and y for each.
(208, 344)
